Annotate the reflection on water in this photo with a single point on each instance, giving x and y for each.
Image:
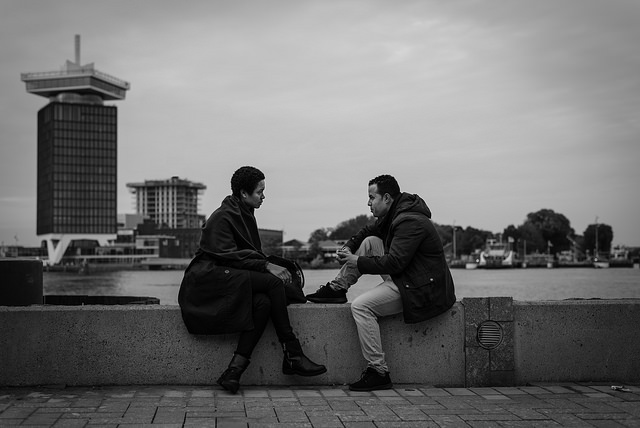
(161, 284)
(521, 284)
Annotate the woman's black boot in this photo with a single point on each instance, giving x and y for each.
(230, 379)
(295, 362)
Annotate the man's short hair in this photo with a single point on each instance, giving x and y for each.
(245, 178)
(386, 184)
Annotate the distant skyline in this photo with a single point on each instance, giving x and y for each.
(488, 109)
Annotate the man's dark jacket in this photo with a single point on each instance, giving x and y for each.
(414, 258)
(215, 294)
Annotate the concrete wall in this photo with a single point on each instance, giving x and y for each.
(577, 340)
(541, 341)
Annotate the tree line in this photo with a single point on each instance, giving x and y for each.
(542, 231)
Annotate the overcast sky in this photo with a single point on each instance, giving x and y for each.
(487, 109)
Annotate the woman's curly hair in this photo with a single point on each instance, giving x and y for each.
(245, 178)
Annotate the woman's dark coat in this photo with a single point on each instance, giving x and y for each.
(215, 294)
(414, 258)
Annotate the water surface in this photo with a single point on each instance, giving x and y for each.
(521, 284)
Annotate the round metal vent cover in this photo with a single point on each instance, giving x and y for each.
(489, 334)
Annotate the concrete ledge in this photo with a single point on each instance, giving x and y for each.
(109, 345)
(572, 341)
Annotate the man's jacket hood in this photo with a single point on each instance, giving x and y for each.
(405, 203)
(411, 203)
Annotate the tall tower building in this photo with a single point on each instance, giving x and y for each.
(169, 203)
(77, 154)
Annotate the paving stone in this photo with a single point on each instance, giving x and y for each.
(71, 423)
(344, 405)
(356, 424)
(418, 401)
(409, 392)
(202, 393)
(254, 397)
(307, 393)
(459, 391)
(449, 421)
(558, 389)
(281, 393)
(333, 393)
(435, 392)
(41, 419)
(385, 393)
(528, 414)
(231, 423)
(496, 397)
(407, 424)
(325, 421)
(169, 416)
(199, 423)
(291, 416)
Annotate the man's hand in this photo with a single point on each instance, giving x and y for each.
(345, 256)
(280, 272)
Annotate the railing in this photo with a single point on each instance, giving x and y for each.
(80, 72)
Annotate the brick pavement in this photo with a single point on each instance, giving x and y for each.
(558, 405)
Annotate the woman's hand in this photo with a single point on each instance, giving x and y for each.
(279, 272)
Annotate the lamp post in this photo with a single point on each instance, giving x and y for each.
(454, 240)
(596, 251)
(282, 243)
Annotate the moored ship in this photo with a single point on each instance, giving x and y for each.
(496, 255)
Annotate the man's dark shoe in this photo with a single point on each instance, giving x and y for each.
(326, 294)
(371, 380)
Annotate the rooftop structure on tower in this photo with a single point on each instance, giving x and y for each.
(74, 79)
(77, 155)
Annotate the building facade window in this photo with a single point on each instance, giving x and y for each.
(77, 169)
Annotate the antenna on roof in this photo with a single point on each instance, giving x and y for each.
(77, 46)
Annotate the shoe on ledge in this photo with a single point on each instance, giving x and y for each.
(326, 294)
(371, 380)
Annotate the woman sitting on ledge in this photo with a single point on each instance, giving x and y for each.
(230, 287)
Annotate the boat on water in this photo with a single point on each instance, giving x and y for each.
(599, 262)
(497, 255)
(473, 261)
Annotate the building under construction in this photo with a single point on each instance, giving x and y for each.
(171, 203)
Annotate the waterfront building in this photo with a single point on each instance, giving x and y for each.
(171, 203)
(77, 154)
(129, 221)
(186, 242)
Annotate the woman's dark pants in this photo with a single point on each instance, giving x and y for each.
(269, 301)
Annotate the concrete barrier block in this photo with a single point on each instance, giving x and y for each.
(432, 351)
(501, 309)
(476, 311)
(20, 282)
(577, 340)
(502, 357)
(489, 341)
(478, 372)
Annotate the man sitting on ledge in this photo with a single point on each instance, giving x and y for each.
(403, 247)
